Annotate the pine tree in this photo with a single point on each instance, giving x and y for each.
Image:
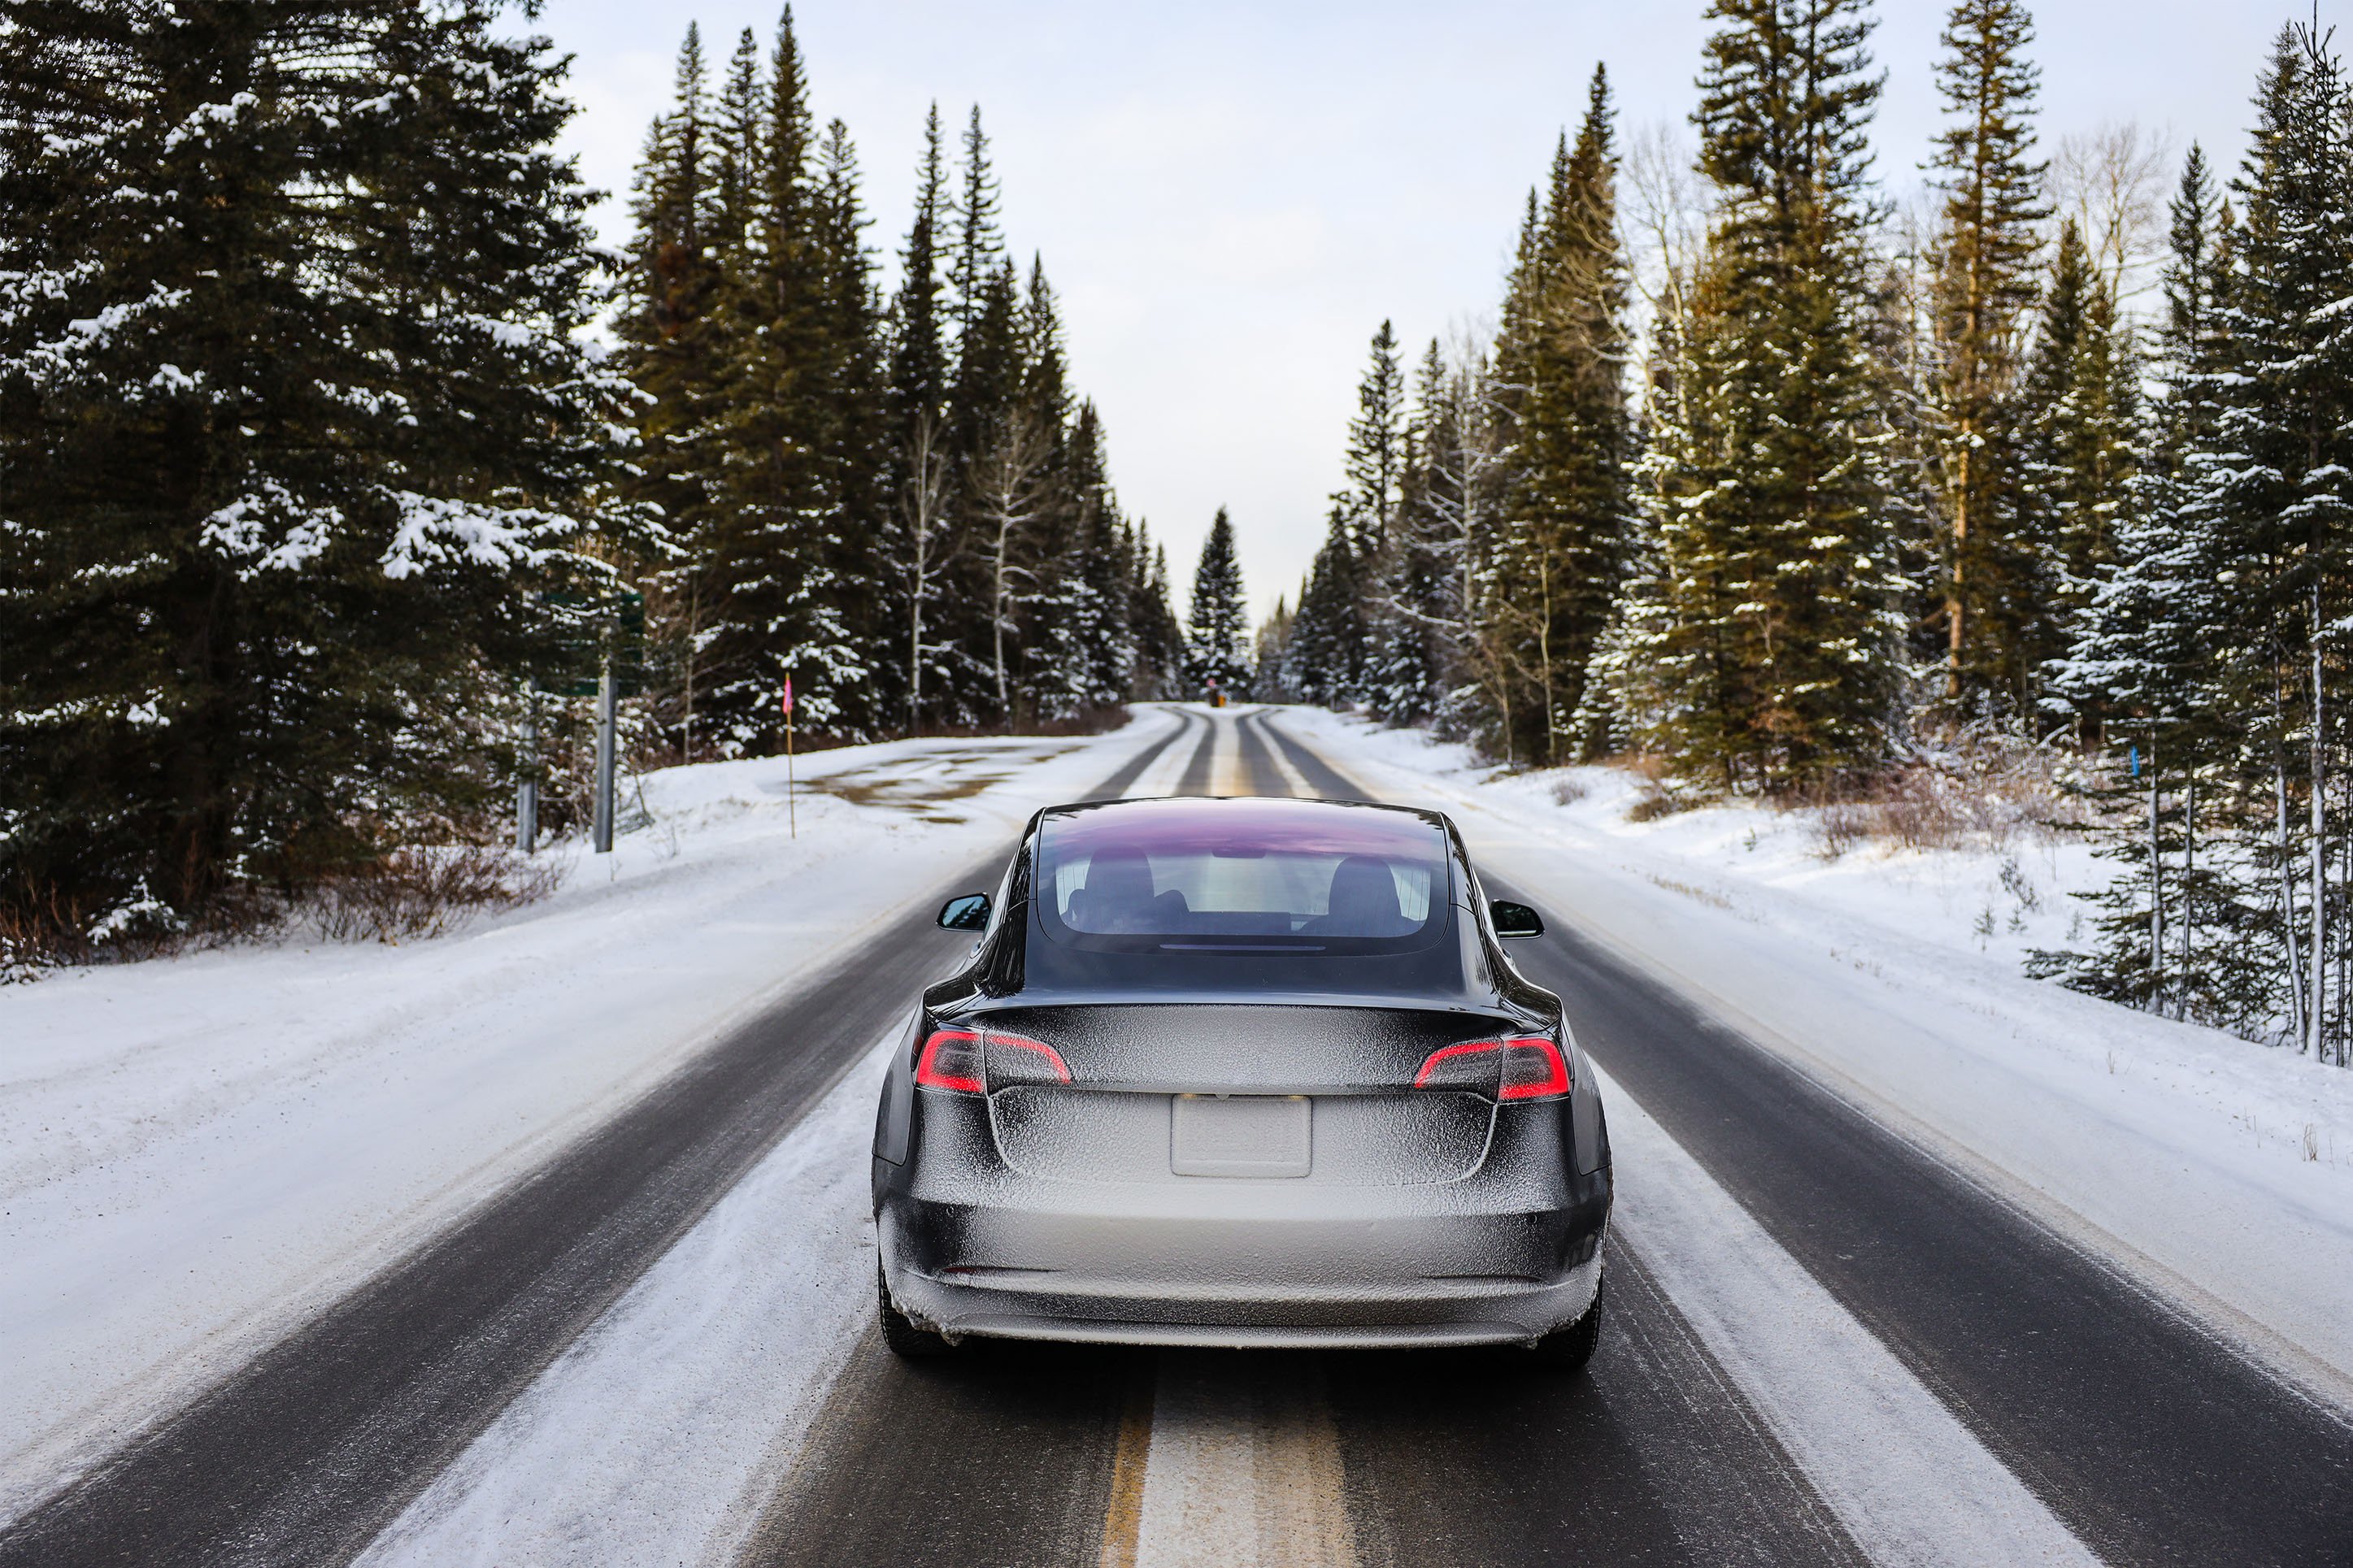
(1376, 449)
(1217, 646)
(295, 424)
(1051, 602)
(686, 191)
(2176, 933)
(2081, 405)
(1417, 610)
(1362, 516)
(778, 569)
(738, 134)
(2212, 648)
(980, 243)
(1102, 616)
(1774, 621)
(1982, 291)
(1328, 636)
(1559, 553)
(853, 443)
(1271, 655)
(1159, 640)
(920, 541)
(2274, 489)
(1006, 448)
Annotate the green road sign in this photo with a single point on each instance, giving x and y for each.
(592, 626)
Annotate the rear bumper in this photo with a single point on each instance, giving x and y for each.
(1244, 1317)
(1245, 1263)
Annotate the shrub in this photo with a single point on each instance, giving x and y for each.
(427, 892)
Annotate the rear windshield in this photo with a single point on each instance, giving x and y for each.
(1241, 877)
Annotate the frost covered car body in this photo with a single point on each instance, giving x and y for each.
(1240, 1073)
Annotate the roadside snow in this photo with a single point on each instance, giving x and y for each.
(2179, 1152)
(655, 1438)
(197, 1153)
(1906, 1477)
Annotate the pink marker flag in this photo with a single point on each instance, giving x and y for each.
(789, 694)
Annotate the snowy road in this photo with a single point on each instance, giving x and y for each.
(1828, 1341)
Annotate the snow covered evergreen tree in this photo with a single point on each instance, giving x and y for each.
(2274, 493)
(1559, 547)
(1328, 638)
(295, 427)
(894, 506)
(919, 545)
(1777, 628)
(1376, 448)
(1983, 290)
(1216, 645)
(2212, 646)
(1152, 619)
(1416, 611)
(1270, 655)
(683, 185)
(2175, 935)
(784, 569)
(2081, 408)
(1050, 603)
(1101, 612)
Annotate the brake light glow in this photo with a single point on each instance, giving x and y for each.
(1528, 1067)
(954, 1059)
(951, 1059)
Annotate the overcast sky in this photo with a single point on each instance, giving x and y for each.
(1232, 198)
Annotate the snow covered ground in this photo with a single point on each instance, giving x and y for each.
(197, 1153)
(2218, 1171)
(690, 1397)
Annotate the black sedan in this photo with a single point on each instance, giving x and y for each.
(1240, 1073)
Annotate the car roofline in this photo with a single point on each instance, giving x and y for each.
(1437, 819)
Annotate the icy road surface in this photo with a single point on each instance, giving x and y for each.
(547, 1243)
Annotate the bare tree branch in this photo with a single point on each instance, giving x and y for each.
(2113, 181)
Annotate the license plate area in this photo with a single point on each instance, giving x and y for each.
(1239, 1135)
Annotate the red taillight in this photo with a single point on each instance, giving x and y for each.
(1047, 1056)
(1527, 1066)
(953, 1058)
(1533, 1069)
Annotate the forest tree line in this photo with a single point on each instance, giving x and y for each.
(1853, 489)
(901, 503)
(336, 456)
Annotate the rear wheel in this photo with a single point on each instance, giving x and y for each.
(899, 1332)
(1568, 1349)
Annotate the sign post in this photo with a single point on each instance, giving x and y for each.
(527, 786)
(792, 808)
(605, 724)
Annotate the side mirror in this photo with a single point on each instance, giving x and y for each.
(968, 914)
(1515, 920)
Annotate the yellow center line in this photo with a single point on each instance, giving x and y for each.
(1243, 1470)
(1227, 776)
(1130, 1452)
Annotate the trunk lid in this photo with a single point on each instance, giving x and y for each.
(1180, 1093)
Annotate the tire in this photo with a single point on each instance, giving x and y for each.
(1567, 1350)
(899, 1332)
